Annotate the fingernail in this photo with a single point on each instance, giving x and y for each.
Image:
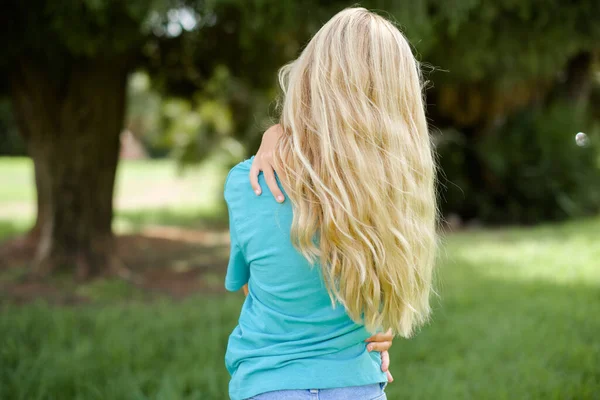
(280, 198)
(257, 192)
(370, 347)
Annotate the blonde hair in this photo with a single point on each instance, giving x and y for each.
(357, 164)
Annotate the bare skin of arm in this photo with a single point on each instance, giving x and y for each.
(263, 161)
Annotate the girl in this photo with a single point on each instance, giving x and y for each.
(352, 252)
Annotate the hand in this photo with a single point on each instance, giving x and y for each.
(263, 161)
(382, 342)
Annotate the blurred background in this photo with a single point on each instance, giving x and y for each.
(119, 121)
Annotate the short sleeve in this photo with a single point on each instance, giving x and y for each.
(238, 270)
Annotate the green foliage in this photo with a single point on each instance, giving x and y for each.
(87, 28)
(188, 129)
(500, 41)
(144, 114)
(203, 125)
(511, 323)
(59, 32)
(532, 170)
(211, 67)
(538, 172)
(454, 184)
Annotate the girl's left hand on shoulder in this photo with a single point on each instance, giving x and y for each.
(263, 161)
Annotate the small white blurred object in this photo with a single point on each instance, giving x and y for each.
(581, 139)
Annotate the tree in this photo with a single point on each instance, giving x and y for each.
(492, 62)
(506, 59)
(67, 64)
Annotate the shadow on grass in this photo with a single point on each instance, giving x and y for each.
(159, 262)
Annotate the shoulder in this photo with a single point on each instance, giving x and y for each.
(237, 184)
(239, 194)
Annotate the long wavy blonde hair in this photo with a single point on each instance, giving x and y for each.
(357, 164)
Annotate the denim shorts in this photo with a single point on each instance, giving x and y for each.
(368, 392)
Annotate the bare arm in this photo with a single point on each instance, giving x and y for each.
(263, 161)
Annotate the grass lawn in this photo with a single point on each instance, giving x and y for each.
(517, 317)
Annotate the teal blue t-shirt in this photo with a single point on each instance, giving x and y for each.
(288, 336)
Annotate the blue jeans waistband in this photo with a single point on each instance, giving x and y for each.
(367, 392)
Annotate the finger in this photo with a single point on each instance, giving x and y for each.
(390, 378)
(254, 171)
(381, 337)
(385, 361)
(379, 346)
(272, 184)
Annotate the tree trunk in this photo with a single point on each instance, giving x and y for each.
(25, 126)
(43, 201)
(32, 237)
(72, 131)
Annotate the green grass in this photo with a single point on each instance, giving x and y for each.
(13, 228)
(136, 351)
(517, 317)
(17, 180)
